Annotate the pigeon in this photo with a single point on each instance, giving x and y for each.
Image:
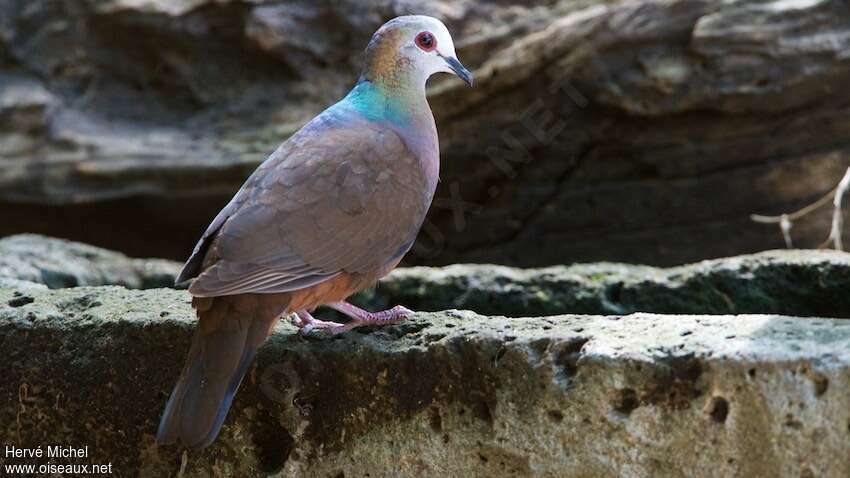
(331, 211)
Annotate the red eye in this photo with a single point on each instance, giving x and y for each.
(426, 41)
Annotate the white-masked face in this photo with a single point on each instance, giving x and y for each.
(428, 44)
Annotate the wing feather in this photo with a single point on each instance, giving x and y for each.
(342, 195)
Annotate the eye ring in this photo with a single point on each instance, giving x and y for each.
(426, 41)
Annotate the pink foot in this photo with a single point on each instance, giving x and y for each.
(307, 323)
(359, 317)
(362, 317)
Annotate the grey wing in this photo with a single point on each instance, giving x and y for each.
(193, 266)
(342, 199)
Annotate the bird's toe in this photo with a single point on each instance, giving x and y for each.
(402, 311)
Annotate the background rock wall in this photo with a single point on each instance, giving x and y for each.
(641, 131)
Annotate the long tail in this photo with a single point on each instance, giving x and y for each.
(230, 329)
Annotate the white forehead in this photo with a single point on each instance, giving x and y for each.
(420, 23)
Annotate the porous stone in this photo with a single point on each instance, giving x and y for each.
(444, 394)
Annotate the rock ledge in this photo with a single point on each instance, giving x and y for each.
(451, 393)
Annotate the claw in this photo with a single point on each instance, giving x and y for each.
(402, 311)
(296, 321)
(307, 324)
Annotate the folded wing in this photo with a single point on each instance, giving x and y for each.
(342, 195)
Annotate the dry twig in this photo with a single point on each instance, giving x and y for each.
(836, 196)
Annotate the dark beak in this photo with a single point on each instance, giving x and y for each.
(459, 70)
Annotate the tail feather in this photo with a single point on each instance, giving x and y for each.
(222, 351)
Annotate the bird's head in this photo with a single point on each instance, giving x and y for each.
(410, 49)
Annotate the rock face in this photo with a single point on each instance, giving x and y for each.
(785, 282)
(788, 282)
(57, 263)
(445, 394)
(640, 131)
